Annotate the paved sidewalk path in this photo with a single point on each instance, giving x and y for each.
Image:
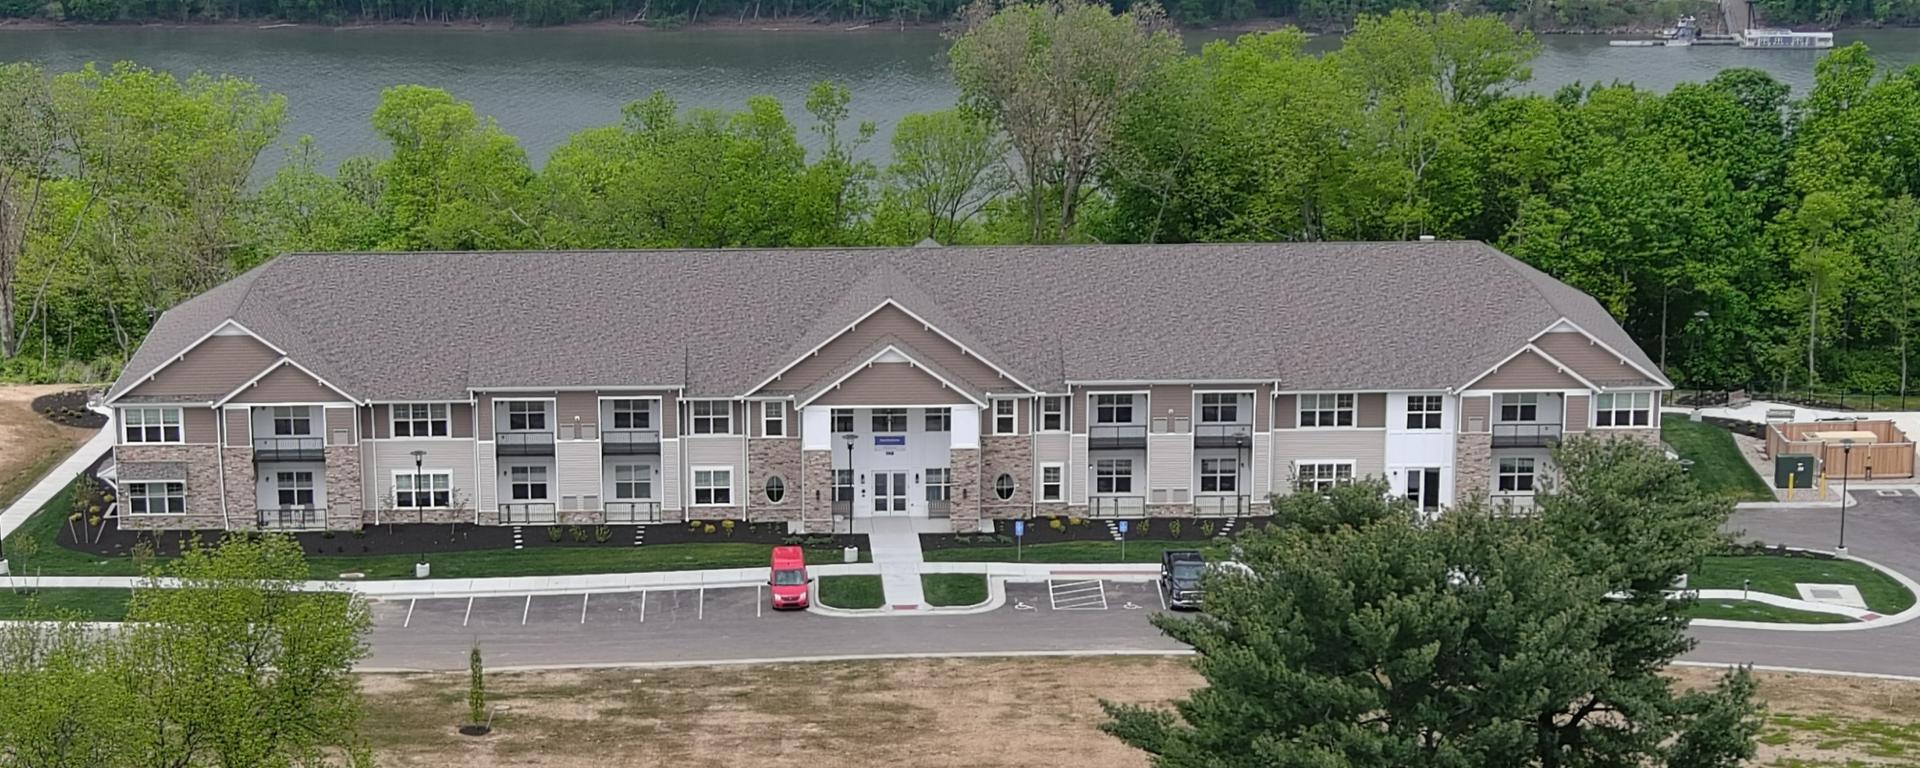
(896, 549)
(37, 496)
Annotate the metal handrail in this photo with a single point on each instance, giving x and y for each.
(1117, 431)
(614, 437)
(633, 512)
(299, 444)
(1525, 434)
(1117, 506)
(510, 442)
(1217, 505)
(529, 512)
(290, 518)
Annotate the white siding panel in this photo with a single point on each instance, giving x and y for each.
(669, 474)
(487, 496)
(452, 456)
(578, 468)
(1052, 448)
(1077, 471)
(719, 452)
(1262, 459)
(1170, 467)
(1366, 448)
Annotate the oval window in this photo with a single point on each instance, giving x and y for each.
(776, 489)
(1003, 486)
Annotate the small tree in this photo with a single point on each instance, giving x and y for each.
(476, 688)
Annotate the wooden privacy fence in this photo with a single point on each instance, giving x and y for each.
(1880, 451)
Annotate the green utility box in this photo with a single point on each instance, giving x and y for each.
(1798, 468)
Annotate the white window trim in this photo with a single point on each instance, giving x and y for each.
(1238, 394)
(655, 411)
(693, 419)
(993, 413)
(833, 420)
(393, 491)
(926, 417)
(1440, 416)
(1593, 406)
(312, 487)
(1533, 473)
(1040, 481)
(179, 424)
(1138, 404)
(946, 482)
(393, 421)
(774, 412)
(1353, 469)
(653, 478)
(1520, 401)
(1093, 482)
(888, 412)
(550, 407)
(1300, 408)
(693, 486)
(1041, 413)
(1200, 474)
(130, 494)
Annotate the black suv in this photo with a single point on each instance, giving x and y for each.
(1180, 571)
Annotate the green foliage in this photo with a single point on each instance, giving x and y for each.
(1364, 635)
(476, 687)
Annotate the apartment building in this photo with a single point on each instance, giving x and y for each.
(821, 387)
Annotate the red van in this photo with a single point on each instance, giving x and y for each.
(789, 580)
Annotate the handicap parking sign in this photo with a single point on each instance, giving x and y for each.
(1019, 528)
(1123, 527)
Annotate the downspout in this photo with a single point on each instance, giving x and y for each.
(473, 410)
(220, 460)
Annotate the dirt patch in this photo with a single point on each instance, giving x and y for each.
(1829, 719)
(30, 445)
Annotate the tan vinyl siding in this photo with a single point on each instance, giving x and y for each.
(717, 452)
(215, 368)
(1262, 406)
(1077, 415)
(1053, 447)
(340, 426)
(1174, 401)
(375, 423)
(891, 384)
(1527, 371)
(1475, 410)
(484, 410)
(1592, 361)
(669, 414)
(1577, 413)
(814, 369)
(1286, 412)
(288, 384)
(239, 427)
(462, 414)
(453, 456)
(1370, 410)
(1367, 450)
(581, 408)
(199, 425)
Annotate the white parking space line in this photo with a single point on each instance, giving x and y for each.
(701, 614)
(643, 606)
(583, 608)
(756, 601)
(409, 620)
(524, 610)
(1085, 595)
(1159, 589)
(469, 614)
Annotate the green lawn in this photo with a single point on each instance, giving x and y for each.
(87, 604)
(954, 588)
(1141, 551)
(852, 592)
(1747, 610)
(1717, 464)
(1777, 575)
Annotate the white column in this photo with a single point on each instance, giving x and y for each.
(966, 427)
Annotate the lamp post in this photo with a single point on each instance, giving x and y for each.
(852, 481)
(1846, 469)
(420, 567)
(1240, 488)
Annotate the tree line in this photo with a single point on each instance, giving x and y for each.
(1742, 236)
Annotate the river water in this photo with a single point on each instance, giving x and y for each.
(542, 85)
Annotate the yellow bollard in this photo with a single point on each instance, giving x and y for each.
(1823, 486)
(1790, 479)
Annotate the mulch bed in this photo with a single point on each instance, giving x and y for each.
(1041, 530)
(69, 409)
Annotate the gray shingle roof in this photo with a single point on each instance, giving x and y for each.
(1382, 315)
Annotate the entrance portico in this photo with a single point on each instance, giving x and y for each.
(893, 461)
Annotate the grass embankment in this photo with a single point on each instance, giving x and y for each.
(954, 588)
(852, 592)
(84, 604)
(1137, 551)
(1748, 610)
(1718, 466)
(1778, 574)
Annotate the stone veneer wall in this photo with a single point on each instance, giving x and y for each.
(343, 487)
(816, 501)
(1472, 465)
(963, 504)
(767, 457)
(202, 465)
(1008, 454)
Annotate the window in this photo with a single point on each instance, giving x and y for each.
(420, 420)
(843, 485)
(1219, 475)
(632, 481)
(842, 420)
(151, 425)
(292, 421)
(776, 489)
(527, 483)
(712, 417)
(939, 484)
(1326, 410)
(1052, 482)
(1003, 487)
(889, 419)
(435, 489)
(1053, 414)
(712, 487)
(1423, 411)
(157, 498)
(295, 489)
(939, 419)
(1219, 408)
(1005, 420)
(632, 414)
(1622, 409)
(1113, 409)
(1516, 474)
(1519, 406)
(1322, 476)
(526, 416)
(1423, 488)
(1113, 476)
(775, 424)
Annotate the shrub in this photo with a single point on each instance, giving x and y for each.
(603, 534)
(708, 528)
(1057, 524)
(1075, 521)
(792, 540)
(727, 524)
(1173, 528)
(476, 688)
(578, 533)
(1206, 528)
(1001, 538)
(555, 533)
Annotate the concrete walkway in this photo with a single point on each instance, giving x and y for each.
(896, 549)
(41, 492)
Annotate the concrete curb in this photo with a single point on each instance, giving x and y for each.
(1911, 613)
(843, 658)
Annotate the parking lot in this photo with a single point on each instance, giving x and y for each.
(635, 609)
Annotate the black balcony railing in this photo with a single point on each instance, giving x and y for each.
(633, 512)
(1117, 506)
(523, 443)
(1222, 435)
(628, 442)
(1525, 435)
(1117, 436)
(291, 518)
(289, 449)
(1512, 504)
(1212, 505)
(528, 513)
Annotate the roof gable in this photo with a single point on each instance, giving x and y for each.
(891, 378)
(1580, 351)
(1526, 369)
(208, 369)
(286, 382)
(887, 324)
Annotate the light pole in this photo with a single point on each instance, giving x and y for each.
(1240, 492)
(852, 481)
(1846, 469)
(420, 512)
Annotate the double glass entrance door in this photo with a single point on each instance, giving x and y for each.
(889, 493)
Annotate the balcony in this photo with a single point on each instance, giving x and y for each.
(289, 449)
(1105, 507)
(1512, 504)
(1101, 436)
(633, 512)
(523, 443)
(630, 442)
(291, 518)
(1525, 435)
(1222, 435)
(1222, 506)
(529, 512)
